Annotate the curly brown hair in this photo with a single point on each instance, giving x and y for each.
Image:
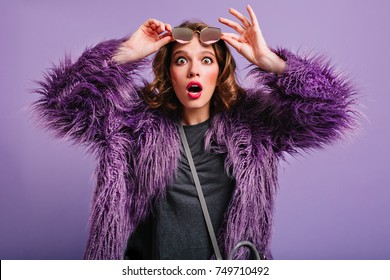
(160, 94)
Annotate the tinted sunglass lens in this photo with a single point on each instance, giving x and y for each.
(210, 35)
(182, 34)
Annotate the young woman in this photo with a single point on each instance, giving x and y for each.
(145, 204)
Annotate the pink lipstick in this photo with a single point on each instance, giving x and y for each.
(194, 89)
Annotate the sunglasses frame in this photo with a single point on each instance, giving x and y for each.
(209, 42)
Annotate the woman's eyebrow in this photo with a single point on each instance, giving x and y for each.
(187, 53)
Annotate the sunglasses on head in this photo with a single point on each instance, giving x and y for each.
(207, 36)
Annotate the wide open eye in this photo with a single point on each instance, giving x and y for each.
(181, 60)
(207, 60)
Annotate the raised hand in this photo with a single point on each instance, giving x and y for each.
(148, 38)
(250, 43)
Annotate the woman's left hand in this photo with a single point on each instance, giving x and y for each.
(250, 43)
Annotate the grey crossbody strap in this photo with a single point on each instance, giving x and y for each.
(200, 193)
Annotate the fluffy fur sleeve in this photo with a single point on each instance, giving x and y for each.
(84, 101)
(307, 106)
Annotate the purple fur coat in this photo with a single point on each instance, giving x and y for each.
(96, 102)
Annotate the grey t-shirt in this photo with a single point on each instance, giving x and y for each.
(181, 231)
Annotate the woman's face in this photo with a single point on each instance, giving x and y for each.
(194, 72)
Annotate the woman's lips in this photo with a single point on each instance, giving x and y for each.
(194, 90)
(194, 95)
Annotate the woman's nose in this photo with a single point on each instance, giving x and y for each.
(193, 70)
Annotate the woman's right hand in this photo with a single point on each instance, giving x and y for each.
(146, 40)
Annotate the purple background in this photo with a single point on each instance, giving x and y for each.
(332, 204)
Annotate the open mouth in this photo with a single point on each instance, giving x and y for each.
(194, 90)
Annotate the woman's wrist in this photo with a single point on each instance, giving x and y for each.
(124, 54)
(271, 62)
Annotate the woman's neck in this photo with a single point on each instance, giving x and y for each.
(195, 116)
